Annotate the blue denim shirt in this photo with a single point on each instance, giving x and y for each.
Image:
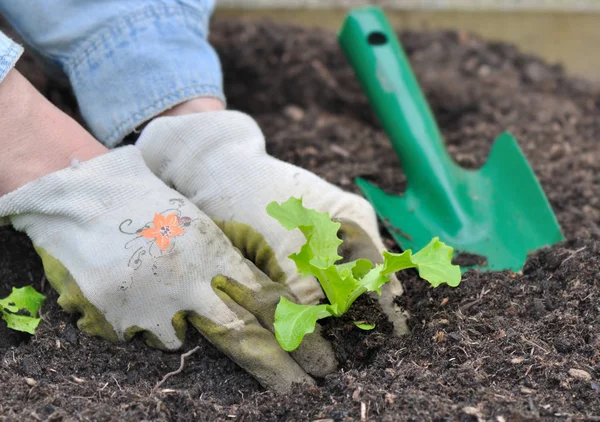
(127, 61)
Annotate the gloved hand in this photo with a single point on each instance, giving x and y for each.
(218, 160)
(132, 255)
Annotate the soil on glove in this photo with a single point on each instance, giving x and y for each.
(501, 347)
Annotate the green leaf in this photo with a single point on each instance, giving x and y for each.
(394, 262)
(359, 268)
(380, 274)
(20, 308)
(338, 287)
(434, 263)
(374, 279)
(364, 326)
(293, 322)
(320, 250)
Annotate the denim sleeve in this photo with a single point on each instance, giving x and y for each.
(9, 54)
(127, 61)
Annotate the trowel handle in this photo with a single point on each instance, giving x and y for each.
(374, 51)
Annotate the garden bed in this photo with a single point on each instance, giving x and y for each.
(501, 347)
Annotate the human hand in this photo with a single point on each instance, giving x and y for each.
(218, 160)
(133, 256)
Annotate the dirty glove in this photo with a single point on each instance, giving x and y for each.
(218, 160)
(132, 255)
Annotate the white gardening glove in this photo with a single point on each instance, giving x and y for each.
(218, 160)
(132, 255)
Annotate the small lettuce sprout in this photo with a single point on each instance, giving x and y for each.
(20, 308)
(363, 325)
(344, 283)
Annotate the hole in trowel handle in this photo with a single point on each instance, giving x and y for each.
(377, 38)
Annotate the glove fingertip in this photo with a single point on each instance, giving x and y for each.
(315, 355)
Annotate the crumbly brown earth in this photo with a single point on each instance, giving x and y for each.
(501, 347)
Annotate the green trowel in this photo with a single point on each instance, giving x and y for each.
(499, 211)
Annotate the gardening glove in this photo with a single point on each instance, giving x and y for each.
(218, 160)
(132, 255)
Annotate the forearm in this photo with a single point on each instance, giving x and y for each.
(127, 61)
(37, 139)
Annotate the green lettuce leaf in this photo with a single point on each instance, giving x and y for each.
(338, 288)
(293, 322)
(359, 268)
(364, 326)
(434, 263)
(20, 308)
(380, 274)
(320, 250)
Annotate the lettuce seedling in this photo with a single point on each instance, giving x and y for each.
(344, 283)
(20, 308)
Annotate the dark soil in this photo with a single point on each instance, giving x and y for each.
(501, 347)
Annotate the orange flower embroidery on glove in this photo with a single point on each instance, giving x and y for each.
(164, 229)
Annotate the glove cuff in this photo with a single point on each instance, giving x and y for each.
(172, 145)
(76, 194)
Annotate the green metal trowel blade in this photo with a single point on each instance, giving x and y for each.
(498, 211)
(509, 215)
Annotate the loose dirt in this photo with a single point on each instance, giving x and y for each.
(501, 347)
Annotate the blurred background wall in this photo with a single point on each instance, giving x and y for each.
(564, 31)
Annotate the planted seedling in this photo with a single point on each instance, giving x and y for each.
(344, 283)
(20, 308)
